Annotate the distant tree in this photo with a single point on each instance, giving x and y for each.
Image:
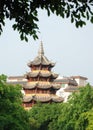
(3, 78)
(76, 113)
(44, 116)
(85, 121)
(25, 13)
(12, 114)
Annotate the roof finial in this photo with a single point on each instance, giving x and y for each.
(41, 50)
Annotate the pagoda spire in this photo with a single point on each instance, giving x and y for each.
(41, 50)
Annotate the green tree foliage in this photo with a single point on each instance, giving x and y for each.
(73, 115)
(12, 114)
(44, 116)
(3, 78)
(76, 114)
(85, 121)
(25, 13)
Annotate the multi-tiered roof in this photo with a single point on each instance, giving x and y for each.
(40, 86)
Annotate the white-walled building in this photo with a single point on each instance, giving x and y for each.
(16, 80)
(71, 81)
(69, 85)
(81, 81)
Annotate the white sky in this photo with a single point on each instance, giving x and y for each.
(69, 47)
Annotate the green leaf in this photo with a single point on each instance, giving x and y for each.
(26, 39)
(14, 26)
(91, 19)
(72, 19)
(87, 14)
(62, 13)
(77, 24)
(48, 12)
(35, 18)
(83, 15)
(68, 14)
(22, 36)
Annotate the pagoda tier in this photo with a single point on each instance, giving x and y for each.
(41, 60)
(30, 100)
(41, 73)
(40, 86)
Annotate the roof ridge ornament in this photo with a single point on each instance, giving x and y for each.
(41, 49)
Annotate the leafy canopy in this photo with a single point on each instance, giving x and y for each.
(25, 13)
(44, 116)
(76, 114)
(12, 114)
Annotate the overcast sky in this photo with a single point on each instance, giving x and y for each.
(69, 47)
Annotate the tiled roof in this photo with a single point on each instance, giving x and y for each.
(71, 89)
(41, 74)
(43, 98)
(41, 85)
(16, 77)
(56, 86)
(66, 81)
(41, 58)
(79, 77)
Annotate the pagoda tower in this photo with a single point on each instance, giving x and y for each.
(40, 86)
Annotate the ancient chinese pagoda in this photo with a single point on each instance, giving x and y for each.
(40, 86)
